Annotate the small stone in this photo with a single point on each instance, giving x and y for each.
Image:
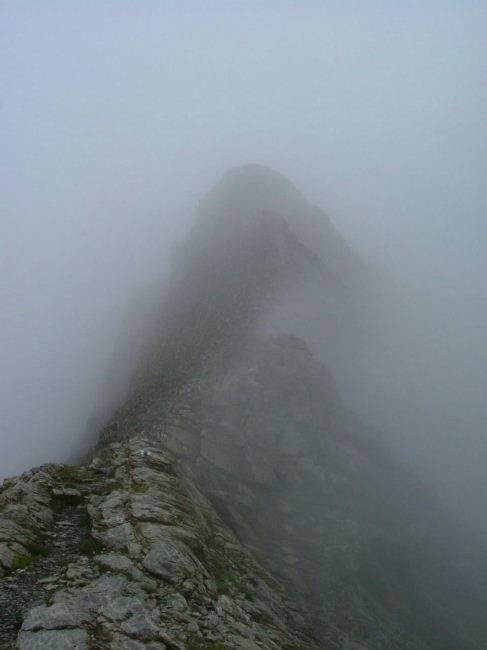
(193, 627)
(45, 581)
(177, 602)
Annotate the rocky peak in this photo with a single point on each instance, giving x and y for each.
(234, 502)
(253, 189)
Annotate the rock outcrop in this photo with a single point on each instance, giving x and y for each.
(151, 566)
(233, 500)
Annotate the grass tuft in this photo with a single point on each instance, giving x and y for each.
(21, 562)
(68, 474)
(140, 488)
(90, 547)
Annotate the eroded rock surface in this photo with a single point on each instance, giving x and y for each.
(159, 569)
(43, 523)
(234, 501)
(231, 386)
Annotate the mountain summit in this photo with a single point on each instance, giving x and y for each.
(233, 501)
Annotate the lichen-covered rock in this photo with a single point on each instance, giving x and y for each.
(54, 640)
(152, 581)
(255, 418)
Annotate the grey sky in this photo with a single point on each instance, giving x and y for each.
(117, 116)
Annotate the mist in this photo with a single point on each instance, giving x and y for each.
(117, 118)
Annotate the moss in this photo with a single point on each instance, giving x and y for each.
(90, 547)
(250, 595)
(21, 561)
(112, 485)
(98, 641)
(49, 598)
(228, 582)
(139, 488)
(219, 568)
(196, 643)
(148, 588)
(68, 474)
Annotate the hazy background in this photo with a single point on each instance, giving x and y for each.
(117, 116)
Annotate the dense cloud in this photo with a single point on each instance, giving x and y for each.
(118, 117)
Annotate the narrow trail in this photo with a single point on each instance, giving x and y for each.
(30, 586)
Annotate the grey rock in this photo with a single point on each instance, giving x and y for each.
(120, 642)
(53, 640)
(169, 560)
(78, 571)
(6, 556)
(140, 625)
(177, 602)
(146, 507)
(131, 593)
(117, 562)
(95, 595)
(45, 581)
(56, 616)
(66, 492)
(193, 627)
(120, 538)
(120, 607)
(9, 529)
(244, 644)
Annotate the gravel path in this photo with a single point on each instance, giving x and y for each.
(28, 587)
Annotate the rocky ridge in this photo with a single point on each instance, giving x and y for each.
(251, 412)
(151, 565)
(233, 500)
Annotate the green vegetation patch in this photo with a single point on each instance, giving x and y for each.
(250, 595)
(139, 488)
(68, 475)
(224, 577)
(90, 547)
(49, 598)
(195, 643)
(21, 561)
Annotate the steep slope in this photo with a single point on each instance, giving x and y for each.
(234, 459)
(151, 565)
(259, 421)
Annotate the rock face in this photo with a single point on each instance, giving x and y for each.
(233, 500)
(155, 567)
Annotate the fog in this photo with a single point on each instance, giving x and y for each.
(117, 117)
